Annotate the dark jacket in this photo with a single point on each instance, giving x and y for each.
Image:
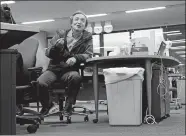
(82, 50)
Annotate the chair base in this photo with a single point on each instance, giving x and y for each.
(33, 121)
(68, 118)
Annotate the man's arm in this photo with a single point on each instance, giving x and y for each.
(81, 58)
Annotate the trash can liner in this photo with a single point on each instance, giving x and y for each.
(114, 75)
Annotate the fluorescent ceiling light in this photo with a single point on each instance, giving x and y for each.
(174, 34)
(182, 56)
(177, 48)
(146, 9)
(180, 52)
(96, 15)
(7, 2)
(171, 32)
(181, 64)
(41, 21)
(178, 40)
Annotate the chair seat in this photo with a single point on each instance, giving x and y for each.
(58, 91)
(22, 87)
(58, 85)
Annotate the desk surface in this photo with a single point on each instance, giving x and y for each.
(16, 27)
(167, 61)
(14, 34)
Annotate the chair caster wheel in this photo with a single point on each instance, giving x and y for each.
(176, 108)
(149, 121)
(61, 117)
(180, 106)
(38, 121)
(21, 124)
(84, 111)
(86, 119)
(37, 125)
(168, 115)
(69, 120)
(95, 120)
(32, 128)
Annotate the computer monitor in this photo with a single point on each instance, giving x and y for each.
(161, 50)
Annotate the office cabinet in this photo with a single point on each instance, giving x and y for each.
(7, 92)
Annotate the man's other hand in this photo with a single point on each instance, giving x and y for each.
(60, 42)
(71, 61)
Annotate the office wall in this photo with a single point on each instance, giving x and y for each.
(42, 60)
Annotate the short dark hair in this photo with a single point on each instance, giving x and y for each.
(79, 12)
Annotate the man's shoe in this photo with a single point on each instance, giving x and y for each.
(54, 109)
(67, 113)
(68, 109)
(45, 111)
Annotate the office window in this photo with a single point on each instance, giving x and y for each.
(115, 39)
(96, 43)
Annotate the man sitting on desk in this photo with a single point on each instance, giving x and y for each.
(67, 49)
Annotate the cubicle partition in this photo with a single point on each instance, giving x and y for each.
(7, 92)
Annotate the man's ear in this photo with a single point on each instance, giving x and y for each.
(71, 19)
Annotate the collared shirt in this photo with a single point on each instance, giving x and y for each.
(72, 40)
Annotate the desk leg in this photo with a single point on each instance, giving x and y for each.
(96, 90)
(148, 83)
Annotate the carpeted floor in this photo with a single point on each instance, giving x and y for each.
(174, 125)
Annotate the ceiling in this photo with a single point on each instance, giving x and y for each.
(177, 53)
(61, 11)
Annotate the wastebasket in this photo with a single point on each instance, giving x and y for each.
(124, 95)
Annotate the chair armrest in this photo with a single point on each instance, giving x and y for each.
(35, 72)
(35, 69)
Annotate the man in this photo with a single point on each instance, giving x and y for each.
(67, 50)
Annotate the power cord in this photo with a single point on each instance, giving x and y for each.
(162, 82)
(149, 119)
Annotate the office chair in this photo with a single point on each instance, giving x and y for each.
(59, 90)
(26, 73)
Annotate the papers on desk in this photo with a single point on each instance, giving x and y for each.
(121, 50)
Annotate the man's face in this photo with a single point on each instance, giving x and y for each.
(78, 22)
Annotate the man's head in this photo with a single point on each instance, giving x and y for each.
(78, 21)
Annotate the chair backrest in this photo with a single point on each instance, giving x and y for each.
(28, 50)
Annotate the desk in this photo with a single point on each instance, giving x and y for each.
(126, 61)
(17, 33)
(12, 34)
